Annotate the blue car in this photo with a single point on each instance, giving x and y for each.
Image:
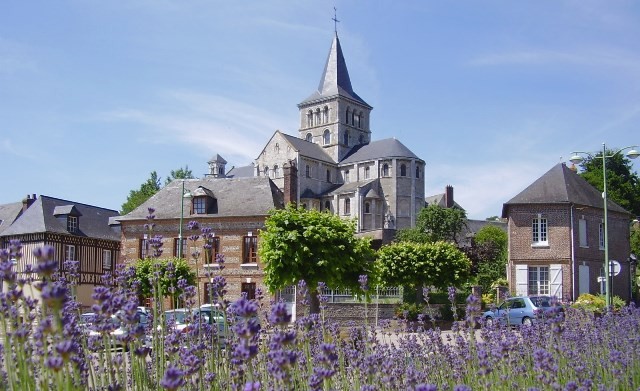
(521, 310)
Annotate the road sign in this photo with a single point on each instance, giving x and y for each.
(614, 268)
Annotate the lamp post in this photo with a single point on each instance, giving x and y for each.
(184, 195)
(577, 159)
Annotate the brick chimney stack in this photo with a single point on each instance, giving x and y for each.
(448, 196)
(27, 202)
(290, 182)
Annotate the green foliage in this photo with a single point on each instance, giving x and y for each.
(145, 270)
(488, 255)
(180, 173)
(138, 197)
(299, 244)
(409, 311)
(623, 185)
(593, 303)
(435, 224)
(438, 264)
(635, 239)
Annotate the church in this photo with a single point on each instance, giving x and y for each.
(334, 165)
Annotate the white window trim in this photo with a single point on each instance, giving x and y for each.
(537, 225)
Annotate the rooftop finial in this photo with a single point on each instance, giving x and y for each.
(335, 20)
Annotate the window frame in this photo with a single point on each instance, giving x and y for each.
(249, 249)
(72, 224)
(539, 232)
(175, 247)
(403, 170)
(143, 248)
(385, 170)
(367, 172)
(105, 261)
(347, 206)
(210, 254)
(70, 249)
(200, 203)
(536, 285)
(249, 288)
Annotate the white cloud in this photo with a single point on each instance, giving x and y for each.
(7, 146)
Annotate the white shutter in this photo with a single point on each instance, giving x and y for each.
(522, 280)
(555, 281)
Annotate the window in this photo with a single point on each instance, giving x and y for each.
(325, 115)
(367, 207)
(316, 119)
(200, 203)
(327, 205)
(346, 176)
(360, 120)
(250, 249)
(143, 251)
(250, 289)
(347, 206)
(178, 251)
(276, 148)
(403, 170)
(266, 172)
(601, 236)
(385, 170)
(345, 138)
(72, 224)
(538, 280)
(309, 137)
(69, 252)
(307, 171)
(106, 260)
(276, 171)
(539, 231)
(211, 249)
(353, 117)
(367, 172)
(348, 115)
(328, 176)
(417, 172)
(582, 232)
(309, 119)
(326, 137)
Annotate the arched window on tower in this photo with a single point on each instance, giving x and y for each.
(317, 117)
(276, 171)
(309, 118)
(385, 170)
(348, 115)
(326, 137)
(417, 172)
(309, 137)
(367, 172)
(353, 117)
(403, 170)
(345, 138)
(325, 115)
(266, 172)
(328, 176)
(360, 120)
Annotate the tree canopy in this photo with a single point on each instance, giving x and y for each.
(299, 244)
(438, 264)
(151, 187)
(623, 184)
(488, 255)
(146, 269)
(435, 223)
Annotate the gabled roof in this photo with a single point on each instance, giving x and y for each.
(351, 187)
(8, 214)
(387, 149)
(241, 172)
(307, 149)
(561, 185)
(39, 217)
(254, 196)
(335, 79)
(440, 200)
(217, 159)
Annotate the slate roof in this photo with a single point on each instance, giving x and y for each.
(217, 159)
(439, 199)
(308, 149)
(241, 172)
(254, 196)
(335, 78)
(39, 217)
(561, 185)
(350, 187)
(8, 214)
(387, 149)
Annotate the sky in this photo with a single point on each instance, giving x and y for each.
(95, 95)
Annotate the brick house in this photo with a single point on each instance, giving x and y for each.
(234, 208)
(556, 238)
(76, 231)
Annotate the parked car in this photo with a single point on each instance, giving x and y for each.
(87, 322)
(521, 310)
(177, 318)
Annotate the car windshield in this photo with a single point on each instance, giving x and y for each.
(541, 301)
(177, 317)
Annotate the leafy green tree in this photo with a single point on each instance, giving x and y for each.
(180, 173)
(146, 269)
(438, 264)
(137, 197)
(488, 255)
(623, 185)
(298, 244)
(435, 223)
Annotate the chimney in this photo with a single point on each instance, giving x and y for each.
(26, 203)
(448, 196)
(290, 182)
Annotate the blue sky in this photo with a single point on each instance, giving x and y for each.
(94, 95)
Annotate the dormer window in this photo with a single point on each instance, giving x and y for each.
(199, 205)
(72, 224)
(204, 202)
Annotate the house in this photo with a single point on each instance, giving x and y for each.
(556, 238)
(77, 232)
(340, 169)
(234, 209)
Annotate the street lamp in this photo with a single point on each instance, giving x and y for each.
(577, 159)
(184, 195)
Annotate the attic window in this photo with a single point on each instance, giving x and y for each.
(72, 224)
(204, 202)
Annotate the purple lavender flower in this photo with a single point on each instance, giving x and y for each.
(279, 314)
(193, 225)
(54, 362)
(426, 387)
(363, 281)
(173, 379)
(252, 386)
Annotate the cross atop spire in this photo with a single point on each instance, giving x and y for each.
(335, 20)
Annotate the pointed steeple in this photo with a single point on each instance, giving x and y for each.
(335, 77)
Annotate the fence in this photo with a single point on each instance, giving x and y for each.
(388, 295)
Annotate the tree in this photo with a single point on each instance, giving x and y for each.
(298, 244)
(180, 173)
(438, 264)
(488, 255)
(435, 223)
(137, 197)
(623, 185)
(145, 273)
